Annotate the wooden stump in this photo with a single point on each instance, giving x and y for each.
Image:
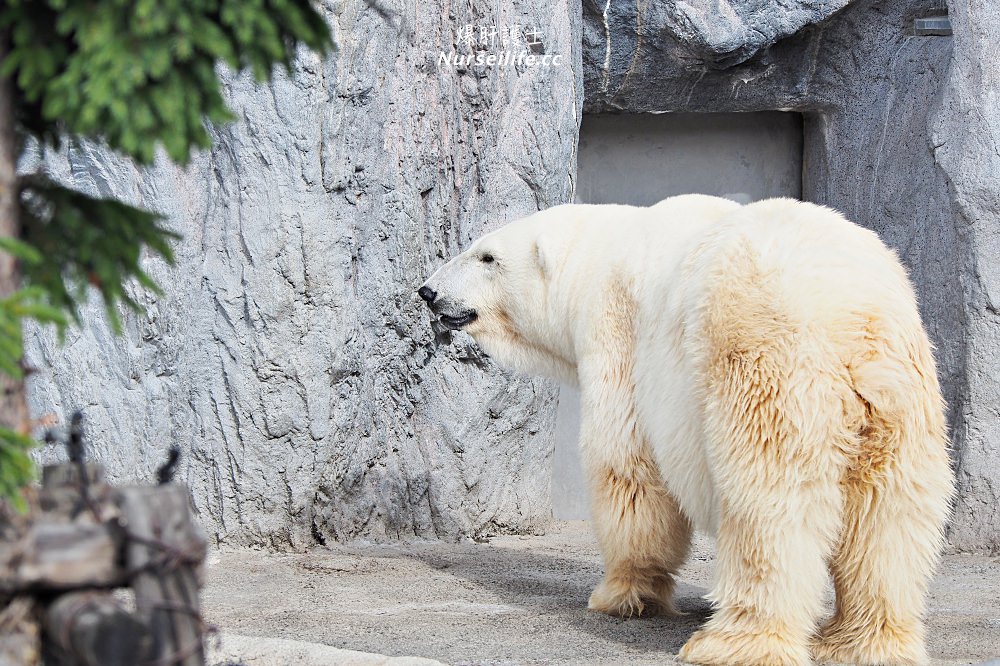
(163, 550)
(70, 474)
(83, 538)
(91, 629)
(19, 636)
(61, 556)
(60, 544)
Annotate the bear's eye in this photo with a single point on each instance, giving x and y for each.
(487, 259)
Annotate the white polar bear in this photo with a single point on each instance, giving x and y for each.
(759, 372)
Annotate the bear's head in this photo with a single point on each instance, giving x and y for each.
(500, 292)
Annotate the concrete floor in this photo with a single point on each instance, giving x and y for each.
(514, 600)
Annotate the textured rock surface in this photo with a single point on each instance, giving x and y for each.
(709, 33)
(660, 55)
(966, 140)
(901, 137)
(289, 356)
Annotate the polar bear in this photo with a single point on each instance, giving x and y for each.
(757, 372)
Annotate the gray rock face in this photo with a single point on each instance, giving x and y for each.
(901, 135)
(656, 56)
(289, 356)
(965, 138)
(712, 33)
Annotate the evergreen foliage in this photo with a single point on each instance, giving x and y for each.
(135, 74)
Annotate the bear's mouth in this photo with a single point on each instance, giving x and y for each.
(457, 322)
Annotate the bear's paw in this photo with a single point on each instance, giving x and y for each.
(888, 646)
(712, 647)
(634, 598)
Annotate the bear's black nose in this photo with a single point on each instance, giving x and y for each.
(427, 294)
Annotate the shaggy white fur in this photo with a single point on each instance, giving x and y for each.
(757, 372)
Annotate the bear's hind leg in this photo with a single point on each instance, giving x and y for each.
(773, 542)
(774, 426)
(897, 498)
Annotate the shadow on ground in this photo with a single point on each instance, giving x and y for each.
(558, 587)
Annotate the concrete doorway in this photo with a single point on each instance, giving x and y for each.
(640, 159)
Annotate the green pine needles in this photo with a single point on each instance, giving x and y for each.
(136, 75)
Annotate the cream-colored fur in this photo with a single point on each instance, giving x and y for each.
(758, 372)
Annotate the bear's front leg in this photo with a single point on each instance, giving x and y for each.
(643, 535)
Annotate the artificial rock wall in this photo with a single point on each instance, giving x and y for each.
(901, 134)
(289, 356)
(965, 137)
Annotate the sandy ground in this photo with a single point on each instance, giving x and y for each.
(512, 601)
